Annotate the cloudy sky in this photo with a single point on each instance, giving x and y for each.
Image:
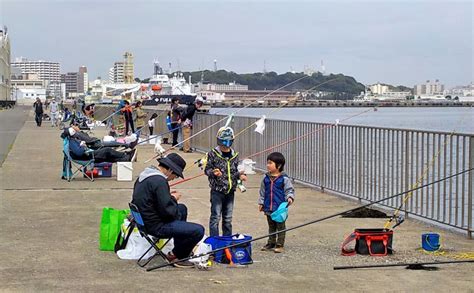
(397, 42)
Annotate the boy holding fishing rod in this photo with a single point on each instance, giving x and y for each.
(223, 174)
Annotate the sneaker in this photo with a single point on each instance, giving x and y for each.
(185, 264)
(182, 264)
(279, 249)
(268, 247)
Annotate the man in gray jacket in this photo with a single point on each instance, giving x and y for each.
(163, 216)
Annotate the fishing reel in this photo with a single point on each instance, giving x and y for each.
(204, 265)
(202, 162)
(398, 220)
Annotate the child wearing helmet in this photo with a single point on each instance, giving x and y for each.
(221, 170)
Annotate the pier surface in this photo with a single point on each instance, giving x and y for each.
(50, 231)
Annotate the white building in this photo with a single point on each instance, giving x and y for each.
(5, 65)
(28, 96)
(429, 88)
(222, 87)
(118, 73)
(46, 70)
(27, 87)
(464, 91)
(378, 89)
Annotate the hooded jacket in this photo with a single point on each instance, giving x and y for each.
(151, 194)
(230, 174)
(274, 191)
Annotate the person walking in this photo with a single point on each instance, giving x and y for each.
(38, 107)
(53, 113)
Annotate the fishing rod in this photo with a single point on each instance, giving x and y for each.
(410, 266)
(283, 105)
(291, 140)
(210, 126)
(398, 219)
(251, 125)
(307, 223)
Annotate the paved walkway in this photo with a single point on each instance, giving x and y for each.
(11, 121)
(49, 236)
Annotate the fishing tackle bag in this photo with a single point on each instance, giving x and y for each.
(374, 242)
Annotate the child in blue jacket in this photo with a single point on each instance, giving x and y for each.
(275, 189)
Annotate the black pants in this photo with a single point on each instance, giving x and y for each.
(175, 128)
(128, 121)
(185, 235)
(274, 227)
(38, 118)
(110, 155)
(151, 130)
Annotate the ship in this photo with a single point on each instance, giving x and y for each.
(162, 88)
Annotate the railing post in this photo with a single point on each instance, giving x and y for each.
(407, 171)
(322, 151)
(359, 165)
(470, 187)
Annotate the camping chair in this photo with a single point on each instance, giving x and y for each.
(153, 240)
(80, 166)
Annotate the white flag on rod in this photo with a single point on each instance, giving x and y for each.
(260, 125)
(229, 120)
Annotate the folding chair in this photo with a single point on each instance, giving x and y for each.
(79, 165)
(153, 240)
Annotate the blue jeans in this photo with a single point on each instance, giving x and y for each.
(221, 204)
(185, 235)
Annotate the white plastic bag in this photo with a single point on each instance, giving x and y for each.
(136, 245)
(201, 248)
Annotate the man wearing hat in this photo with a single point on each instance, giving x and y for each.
(163, 216)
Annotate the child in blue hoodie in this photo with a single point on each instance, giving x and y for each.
(275, 189)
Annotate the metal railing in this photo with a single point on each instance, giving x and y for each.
(367, 163)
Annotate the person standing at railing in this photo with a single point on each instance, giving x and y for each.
(176, 113)
(187, 124)
(127, 115)
(140, 116)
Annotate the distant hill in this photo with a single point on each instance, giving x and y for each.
(271, 80)
(342, 86)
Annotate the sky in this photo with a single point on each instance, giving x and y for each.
(395, 42)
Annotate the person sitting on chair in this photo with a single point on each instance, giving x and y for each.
(162, 215)
(96, 143)
(78, 150)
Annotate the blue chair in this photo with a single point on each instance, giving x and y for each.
(152, 239)
(80, 166)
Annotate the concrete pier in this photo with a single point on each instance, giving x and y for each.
(50, 229)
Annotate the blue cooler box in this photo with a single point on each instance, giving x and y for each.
(241, 254)
(104, 169)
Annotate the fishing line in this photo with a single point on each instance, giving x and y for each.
(421, 178)
(295, 138)
(210, 126)
(308, 223)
